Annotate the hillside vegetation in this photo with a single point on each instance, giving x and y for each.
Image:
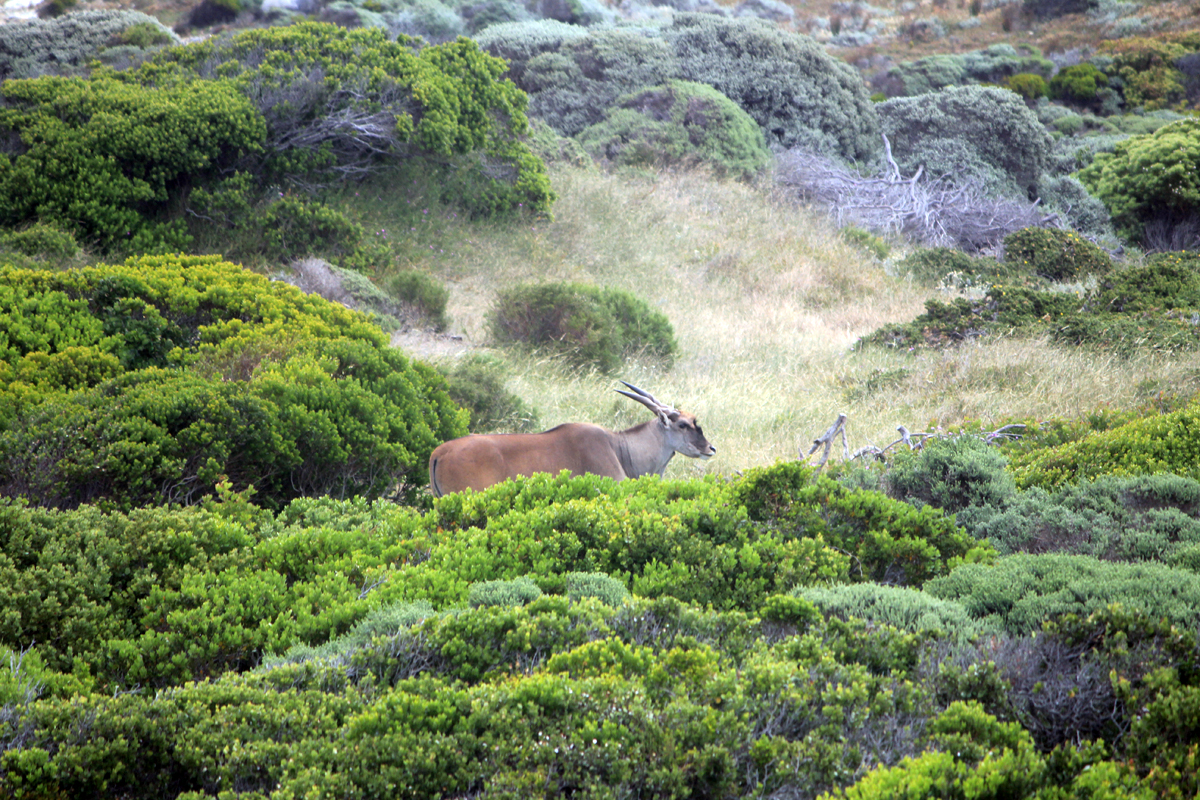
(250, 280)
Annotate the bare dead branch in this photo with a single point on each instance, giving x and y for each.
(937, 212)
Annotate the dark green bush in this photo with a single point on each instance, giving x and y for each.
(678, 123)
(1167, 281)
(1055, 254)
(588, 325)
(477, 384)
(1029, 86)
(421, 294)
(1003, 309)
(951, 474)
(107, 181)
(1149, 177)
(796, 92)
(1077, 84)
(42, 243)
(1143, 518)
(982, 133)
(288, 392)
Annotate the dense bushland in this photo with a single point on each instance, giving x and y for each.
(795, 91)
(161, 596)
(155, 380)
(1143, 307)
(302, 106)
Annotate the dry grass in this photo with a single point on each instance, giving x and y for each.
(766, 301)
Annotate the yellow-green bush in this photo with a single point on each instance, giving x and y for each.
(1162, 443)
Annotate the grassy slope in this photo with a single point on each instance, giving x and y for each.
(766, 301)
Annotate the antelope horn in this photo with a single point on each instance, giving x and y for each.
(646, 399)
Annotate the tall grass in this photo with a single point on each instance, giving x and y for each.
(766, 300)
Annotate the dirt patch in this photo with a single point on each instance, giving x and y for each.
(432, 345)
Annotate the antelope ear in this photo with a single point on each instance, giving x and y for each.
(666, 416)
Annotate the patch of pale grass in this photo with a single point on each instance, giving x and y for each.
(766, 301)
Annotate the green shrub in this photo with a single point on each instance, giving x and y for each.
(1055, 254)
(1077, 84)
(106, 180)
(904, 608)
(789, 85)
(1029, 86)
(984, 133)
(1143, 518)
(1003, 309)
(1149, 177)
(945, 265)
(40, 242)
(951, 474)
(477, 384)
(290, 392)
(65, 44)
(1166, 281)
(865, 240)
(570, 88)
(422, 295)
(516, 592)
(1020, 591)
(679, 123)
(1163, 443)
(590, 326)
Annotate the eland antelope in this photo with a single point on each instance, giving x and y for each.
(481, 460)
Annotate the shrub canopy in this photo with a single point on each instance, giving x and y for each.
(974, 132)
(155, 380)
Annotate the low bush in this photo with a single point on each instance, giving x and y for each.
(516, 592)
(951, 474)
(678, 123)
(42, 245)
(1003, 309)
(1055, 254)
(865, 240)
(1162, 443)
(938, 266)
(1142, 518)
(1167, 281)
(588, 326)
(189, 371)
(1029, 86)
(1077, 84)
(421, 295)
(1019, 591)
(477, 384)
